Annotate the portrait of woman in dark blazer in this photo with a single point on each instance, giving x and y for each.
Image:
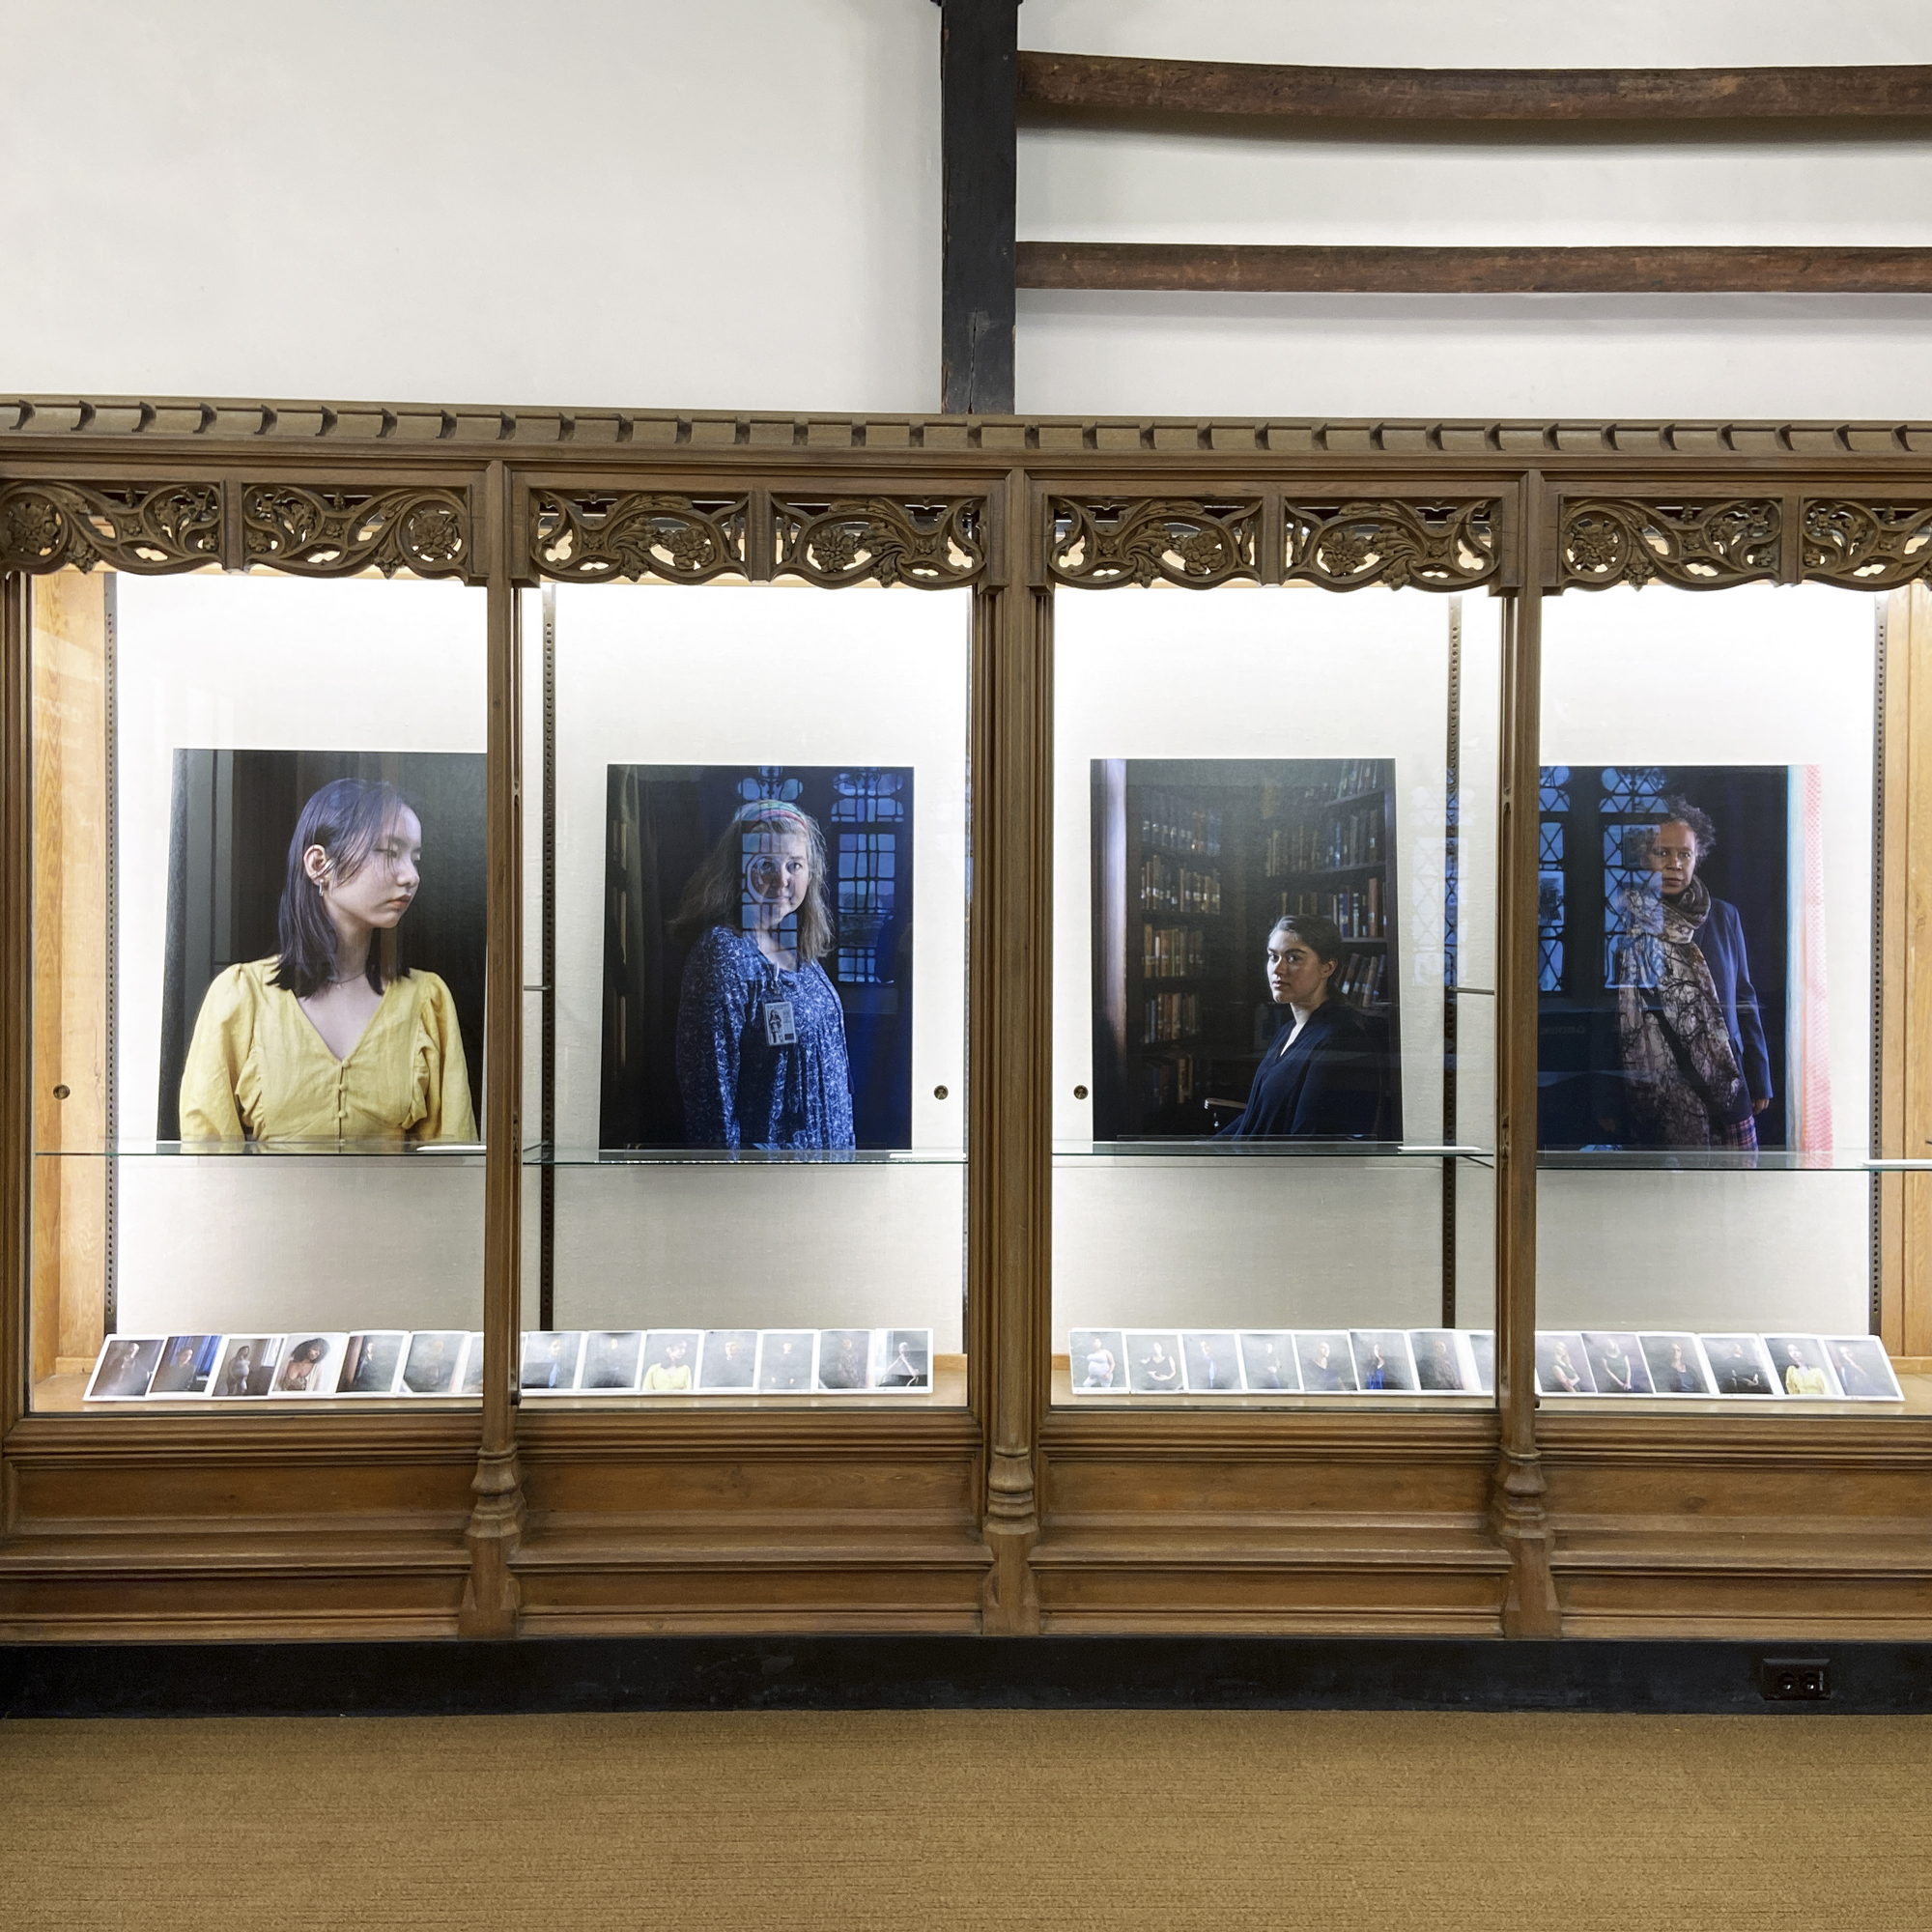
(1325, 1075)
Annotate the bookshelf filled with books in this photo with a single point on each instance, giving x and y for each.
(1194, 861)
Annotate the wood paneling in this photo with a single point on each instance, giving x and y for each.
(1112, 84)
(1349, 269)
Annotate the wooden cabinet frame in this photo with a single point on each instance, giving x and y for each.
(1006, 1516)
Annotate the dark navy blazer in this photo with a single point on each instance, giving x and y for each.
(1720, 939)
(1327, 1086)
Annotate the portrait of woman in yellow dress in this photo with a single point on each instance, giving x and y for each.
(323, 1040)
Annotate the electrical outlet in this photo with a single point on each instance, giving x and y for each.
(1796, 1680)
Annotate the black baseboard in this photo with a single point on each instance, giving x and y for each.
(852, 1673)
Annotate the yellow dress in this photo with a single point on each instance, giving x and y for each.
(257, 1069)
(663, 1380)
(1805, 1381)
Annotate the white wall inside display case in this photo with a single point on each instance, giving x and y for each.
(1758, 675)
(759, 675)
(1280, 674)
(221, 1243)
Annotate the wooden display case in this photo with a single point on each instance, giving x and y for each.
(1009, 1511)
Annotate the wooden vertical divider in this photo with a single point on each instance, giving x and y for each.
(17, 850)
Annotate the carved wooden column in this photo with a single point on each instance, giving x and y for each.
(490, 1597)
(1516, 1502)
(16, 958)
(1010, 1163)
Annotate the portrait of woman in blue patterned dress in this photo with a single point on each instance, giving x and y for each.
(762, 1056)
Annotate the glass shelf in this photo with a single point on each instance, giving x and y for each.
(1713, 1161)
(1215, 1151)
(537, 1154)
(442, 1153)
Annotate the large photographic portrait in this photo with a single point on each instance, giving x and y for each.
(1672, 942)
(757, 982)
(324, 948)
(1245, 970)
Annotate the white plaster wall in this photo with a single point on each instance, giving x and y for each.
(1254, 1240)
(266, 662)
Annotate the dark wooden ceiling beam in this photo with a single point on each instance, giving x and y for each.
(1224, 267)
(1110, 84)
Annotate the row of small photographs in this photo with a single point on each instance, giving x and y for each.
(1461, 1361)
(1831, 1368)
(376, 1362)
(714, 1361)
(1328, 1361)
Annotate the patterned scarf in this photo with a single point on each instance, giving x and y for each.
(1682, 1079)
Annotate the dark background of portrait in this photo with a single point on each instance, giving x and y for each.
(663, 821)
(1165, 1087)
(1580, 1064)
(231, 819)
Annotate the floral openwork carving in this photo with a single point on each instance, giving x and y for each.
(149, 527)
(1693, 545)
(935, 545)
(1424, 546)
(1867, 546)
(1099, 544)
(591, 536)
(338, 532)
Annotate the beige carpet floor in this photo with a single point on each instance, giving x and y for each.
(930, 1819)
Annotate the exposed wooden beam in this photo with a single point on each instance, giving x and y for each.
(1107, 83)
(1376, 271)
(978, 46)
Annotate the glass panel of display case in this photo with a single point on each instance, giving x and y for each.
(259, 932)
(752, 1184)
(1273, 947)
(1705, 1188)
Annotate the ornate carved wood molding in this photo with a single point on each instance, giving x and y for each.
(342, 531)
(144, 528)
(596, 536)
(1696, 545)
(1866, 545)
(1099, 543)
(934, 545)
(1424, 546)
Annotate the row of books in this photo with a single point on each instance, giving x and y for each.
(1166, 886)
(1461, 1361)
(1176, 825)
(1353, 840)
(1363, 977)
(1167, 1083)
(1359, 914)
(449, 1362)
(1172, 952)
(1170, 1016)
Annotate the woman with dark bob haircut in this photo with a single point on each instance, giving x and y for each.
(322, 1042)
(761, 1059)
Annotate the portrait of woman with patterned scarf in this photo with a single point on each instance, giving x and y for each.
(1696, 1071)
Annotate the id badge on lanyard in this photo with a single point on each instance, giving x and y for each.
(780, 1027)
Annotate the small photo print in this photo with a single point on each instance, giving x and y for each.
(1153, 1362)
(247, 1365)
(731, 1360)
(371, 1362)
(1212, 1363)
(1676, 1367)
(1096, 1361)
(784, 1360)
(1267, 1362)
(1382, 1361)
(470, 1381)
(1738, 1365)
(611, 1359)
(1616, 1363)
(126, 1366)
(670, 1361)
(1483, 1353)
(1799, 1363)
(903, 1358)
(432, 1361)
(550, 1361)
(1327, 1368)
(1862, 1368)
(1438, 1362)
(844, 1359)
(1562, 1367)
(310, 1365)
(186, 1366)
